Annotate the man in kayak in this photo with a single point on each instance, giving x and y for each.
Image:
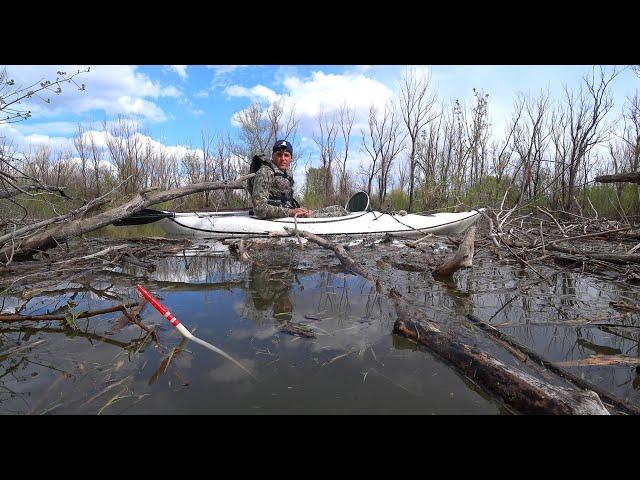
(272, 188)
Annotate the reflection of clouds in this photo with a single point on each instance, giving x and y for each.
(10, 304)
(352, 335)
(229, 372)
(260, 333)
(238, 307)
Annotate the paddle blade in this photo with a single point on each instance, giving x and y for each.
(143, 217)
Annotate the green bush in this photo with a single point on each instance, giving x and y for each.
(313, 197)
(488, 192)
(611, 201)
(397, 200)
(132, 231)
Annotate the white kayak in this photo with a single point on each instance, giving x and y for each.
(242, 224)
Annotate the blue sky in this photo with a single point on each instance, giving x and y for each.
(174, 103)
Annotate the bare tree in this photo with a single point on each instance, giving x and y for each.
(283, 122)
(83, 152)
(530, 141)
(192, 166)
(259, 127)
(477, 132)
(631, 133)
(97, 156)
(130, 153)
(207, 166)
(430, 157)
(326, 142)
(11, 95)
(345, 121)
(383, 145)
(416, 106)
(624, 148)
(502, 159)
(372, 146)
(255, 131)
(579, 127)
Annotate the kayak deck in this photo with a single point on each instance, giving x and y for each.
(241, 224)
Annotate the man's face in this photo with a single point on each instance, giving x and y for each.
(282, 159)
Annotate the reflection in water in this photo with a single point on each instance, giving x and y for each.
(270, 291)
(201, 269)
(354, 363)
(599, 349)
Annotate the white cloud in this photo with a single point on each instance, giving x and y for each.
(224, 69)
(100, 138)
(257, 93)
(23, 142)
(202, 94)
(47, 128)
(56, 143)
(322, 92)
(181, 70)
(102, 165)
(138, 106)
(221, 72)
(328, 92)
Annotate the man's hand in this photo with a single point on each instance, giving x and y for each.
(301, 212)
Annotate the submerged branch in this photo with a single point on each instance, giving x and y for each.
(464, 257)
(85, 314)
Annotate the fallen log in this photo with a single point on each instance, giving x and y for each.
(587, 235)
(32, 188)
(518, 390)
(601, 361)
(554, 367)
(625, 306)
(631, 177)
(85, 314)
(78, 333)
(605, 257)
(35, 226)
(464, 257)
(297, 330)
(61, 233)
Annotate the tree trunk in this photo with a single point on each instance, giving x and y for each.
(61, 233)
(633, 177)
(518, 390)
(464, 257)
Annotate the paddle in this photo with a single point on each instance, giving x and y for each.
(148, 215)
(359, 202)
(181, 328)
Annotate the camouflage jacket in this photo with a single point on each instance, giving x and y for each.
(266, 184)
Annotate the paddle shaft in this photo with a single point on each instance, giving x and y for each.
(181, 328)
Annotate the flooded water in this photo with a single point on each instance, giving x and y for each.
(354, 364)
